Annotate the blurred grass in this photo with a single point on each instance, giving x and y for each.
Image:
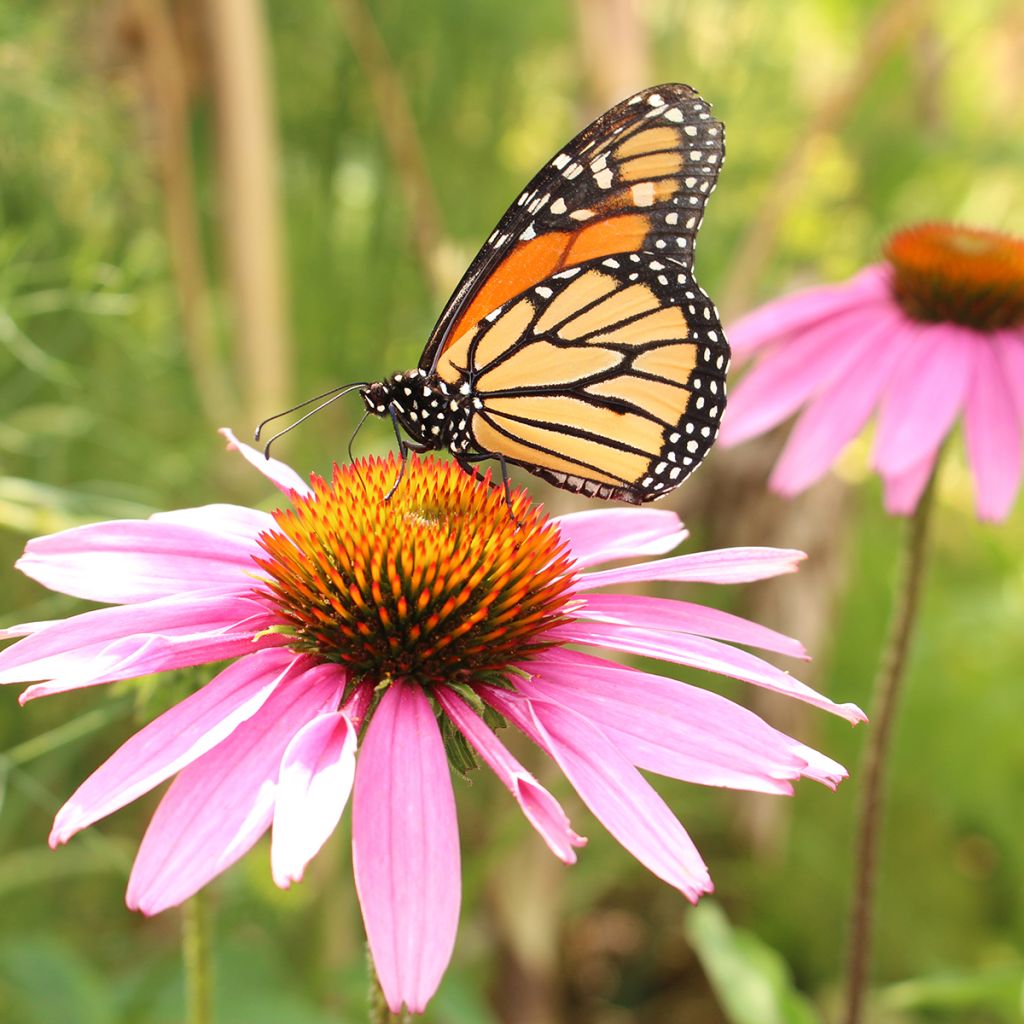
(101, 416)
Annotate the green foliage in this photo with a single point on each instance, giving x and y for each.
(751, 980)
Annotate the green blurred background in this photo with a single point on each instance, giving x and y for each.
(210, 210)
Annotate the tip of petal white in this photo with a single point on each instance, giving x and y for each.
(286, 879)
(702, 887)
(63, 829)
(853, 714)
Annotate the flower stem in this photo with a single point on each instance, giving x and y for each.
(873, 771)
(377, 1004)
(197, 959)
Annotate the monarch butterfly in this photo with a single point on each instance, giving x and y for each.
(578, 344)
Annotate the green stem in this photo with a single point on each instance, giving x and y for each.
(873, 770)
(376, 1003)
(197, 959)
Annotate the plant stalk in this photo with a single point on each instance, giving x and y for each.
(197, 957)
(887, 688)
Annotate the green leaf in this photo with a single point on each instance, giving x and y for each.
(750, 979)
(997, 990)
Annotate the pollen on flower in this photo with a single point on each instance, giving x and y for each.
(945, 273)
(440, 583)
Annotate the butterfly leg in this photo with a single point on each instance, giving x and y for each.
(466, 462)
(404, 449)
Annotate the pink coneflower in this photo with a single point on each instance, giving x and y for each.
(412, 627)
(935, 331)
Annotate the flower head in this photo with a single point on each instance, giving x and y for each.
(933, 333)
(410, 628)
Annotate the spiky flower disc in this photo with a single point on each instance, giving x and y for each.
(969, 276)
(434, 585)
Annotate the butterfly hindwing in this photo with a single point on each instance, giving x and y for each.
(606, 378)
(635, 180)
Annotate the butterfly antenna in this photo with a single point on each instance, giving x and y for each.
(331, 396)
(339, 391)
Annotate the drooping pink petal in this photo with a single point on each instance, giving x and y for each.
(1010, 346)
(699, 652)
(218, 806)
(542, 810)
(674, 729)
(317, 772)
(787, 377)
(133, 560)
(800, 310)
(686, 617)
(227, 520)
(605, 535)
(926, 391)
(27, 628)
(279, 473)
(111, 643)
(617, 794)
(727, 565)
(993, 433)
(405, 848)
(833, 419)
(903, 491)
(175, 739)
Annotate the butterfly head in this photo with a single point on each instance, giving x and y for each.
(377, 397)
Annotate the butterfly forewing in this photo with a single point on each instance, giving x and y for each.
(635, 180)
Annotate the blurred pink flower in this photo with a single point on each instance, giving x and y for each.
(393, 625)
(936, 331)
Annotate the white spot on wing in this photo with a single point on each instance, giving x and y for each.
(643, 193)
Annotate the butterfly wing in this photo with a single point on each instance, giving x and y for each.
(636, 179)
(606, 378)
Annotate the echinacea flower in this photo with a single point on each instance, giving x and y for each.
(934, 332)
(411, 627)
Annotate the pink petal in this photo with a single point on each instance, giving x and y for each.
(175, 739)
(727, 565)
(27, 628)
(279, 473)
(317, 772)
(218, 806)
(605, 535)
(699, 652)
(903, 491)
(790, 374)
(685, 617)
(677, 730)
(542, 810)
(993, 431)
(617, 794)
(834, 418)
(108, 643)
(226, 520)
(405, 848)
(1010, 345)
(801, 310)
(138, 560)
(926, 391)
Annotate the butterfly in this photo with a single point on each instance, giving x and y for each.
(578, 344)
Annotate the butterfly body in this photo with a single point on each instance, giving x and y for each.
(579, 345)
